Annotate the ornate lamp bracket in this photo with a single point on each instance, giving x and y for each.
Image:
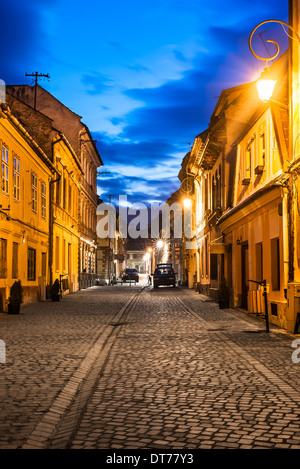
(284, 25)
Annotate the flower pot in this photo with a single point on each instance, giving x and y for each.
(55, 297)
(13, 308)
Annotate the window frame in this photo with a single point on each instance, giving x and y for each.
(15, 260)
(34, 192)
(16, 178)
(3, 258)
(43, 199)
(31, 264)
(5, 169)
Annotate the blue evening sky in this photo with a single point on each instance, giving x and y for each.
(144, 75)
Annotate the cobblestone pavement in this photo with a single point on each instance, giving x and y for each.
(127, 368)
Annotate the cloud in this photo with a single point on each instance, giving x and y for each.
(23, 40)
(137, 67)
(139, 183)
(171, 58)
(179, 56)
(96, 82)
(143, 153)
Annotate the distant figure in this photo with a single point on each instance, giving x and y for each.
(149, 280)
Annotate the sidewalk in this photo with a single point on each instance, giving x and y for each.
(252, 318)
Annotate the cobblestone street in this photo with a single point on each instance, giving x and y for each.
(130, 367)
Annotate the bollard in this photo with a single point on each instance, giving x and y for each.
(264, 284)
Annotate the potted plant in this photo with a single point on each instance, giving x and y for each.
(16, 298)
(224, 293)
(54, 291)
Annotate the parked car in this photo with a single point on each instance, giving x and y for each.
(164, 275)
(130, 275)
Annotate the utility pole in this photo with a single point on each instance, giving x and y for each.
(109, 197)
(37, 75)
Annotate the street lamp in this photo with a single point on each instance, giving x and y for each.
(266, 83)
(265, 86)
(187, 203)
(160, 244)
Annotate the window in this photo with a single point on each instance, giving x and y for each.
(34, 190)
(262, 149)
(3, 258)
(275, 264)
(15, 256)
(16, 178)
(218, 176)
(57, 253)
(5, 169)
(58, 185)
(260, 157)
(31, 265)
(206, 257)
(70, 199)
(206, 193)
(43, 199)
(64, 193)
(44, 264)
(64, 255)
(248, 161)
(214, 193)
(274, 309)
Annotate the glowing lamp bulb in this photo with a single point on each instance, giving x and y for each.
(265, 89)
(187, 203)
(160, 243)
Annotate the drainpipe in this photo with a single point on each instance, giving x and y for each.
(51, 214)
(285, 216)
(291, 229)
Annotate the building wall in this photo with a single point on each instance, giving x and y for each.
(257, 240)
(65, 217)
(257, 229)
(80, 140)
(24, 228)
(135, 260)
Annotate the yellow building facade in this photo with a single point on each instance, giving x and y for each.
(293, 288)
(256, 228)
(82, 144)
(64, 216)
(26, 172)
(54, 204)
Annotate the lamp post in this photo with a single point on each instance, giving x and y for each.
(266, 83)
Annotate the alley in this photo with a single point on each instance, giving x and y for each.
(129, 367)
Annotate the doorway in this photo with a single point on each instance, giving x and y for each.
(245, 275)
